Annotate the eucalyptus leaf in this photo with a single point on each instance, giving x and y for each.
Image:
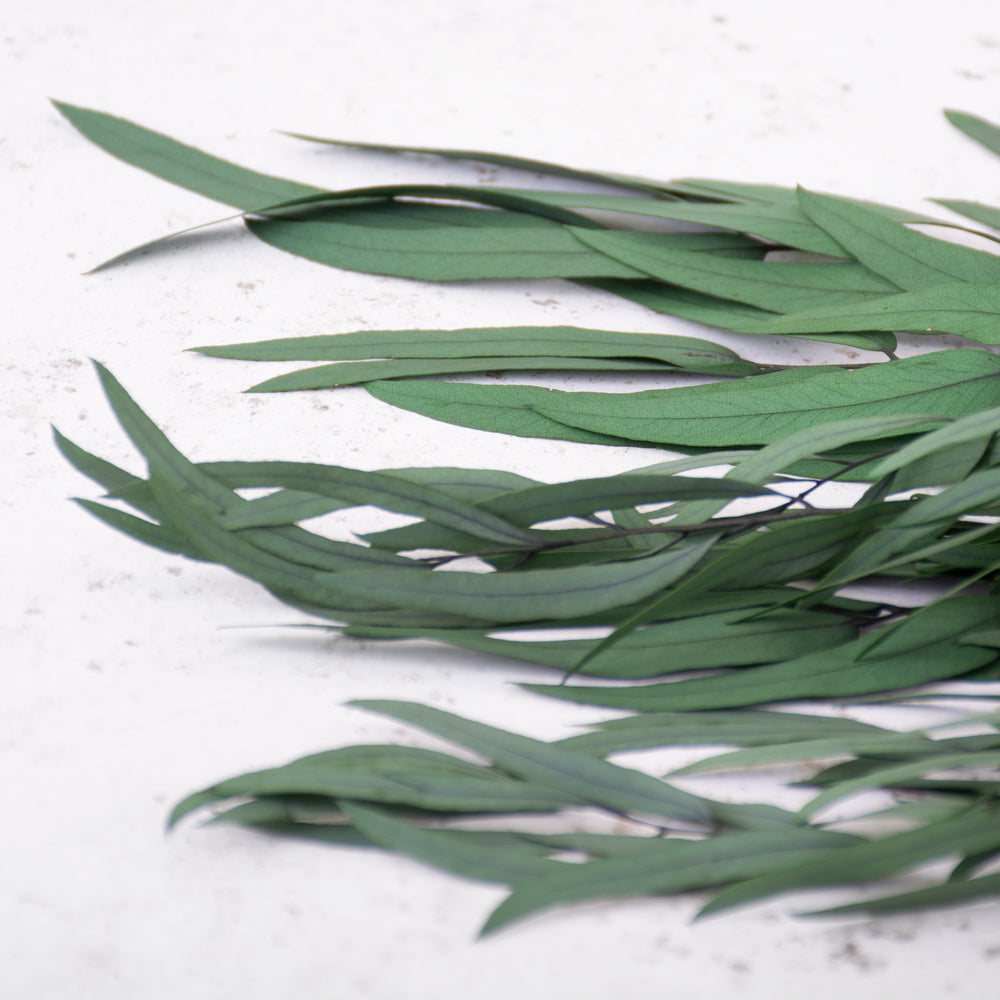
(757, 411)
(910, 260)
(974, 830)
(916, 653)
(962, 308)
(549, 765)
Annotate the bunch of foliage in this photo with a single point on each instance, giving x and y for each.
(695, 615)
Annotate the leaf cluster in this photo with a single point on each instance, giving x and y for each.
(706, 611)
(696, 613)
(859, 274)
(418, 803)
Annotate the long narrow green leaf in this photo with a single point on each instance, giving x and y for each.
(757, 411)
(763, 409)
(781, 224)
(986, 214)
(884, 744)
(885, 776)
(182, 165)
(703, 642)
(740, 727)
(439, 243)
(977, 425)
(917, 652)
(496, 346)
(345, 374)
(767, 285)
(931, 897)
(487, 862)
(422, 779)
(546, 764)
(515, 341)
(910, 260)
(962, 308)
(667, 866)
(978, 129)
(528, 595)
(501, 160)
(972, 831)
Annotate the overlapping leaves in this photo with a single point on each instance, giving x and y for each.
(660, 576)
(413, 802)
(686, 587)
(876, 277)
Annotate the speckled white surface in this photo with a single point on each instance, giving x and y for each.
(121, 691)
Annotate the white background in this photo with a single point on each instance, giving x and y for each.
(121, 690)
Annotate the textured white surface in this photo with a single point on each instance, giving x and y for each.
(121, 693)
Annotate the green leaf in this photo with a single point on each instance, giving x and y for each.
(894, 744)
(986, 214)
(887, 775)
(742, 727)
(782, 224)
(917, 652)
(449, 849)
(182, 165)
(493, 347)
(910, 260)
(148, 533)
(756, 411)
(978, 129)
(551, 766)
(341, 375)
(501, 160)
(701, 642)
(422, 779)
(971, 831)
(977, 425)
(528, 595)
(482, 407)
(766, 408)
(962, 308)
(767, 285)
(664, 866)
(438, 243)
(931, 897)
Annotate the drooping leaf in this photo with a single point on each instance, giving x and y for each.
(499, 160)
(549, 765)
(692, 643)
(978, 129)
(422, 779)
(962, 308)
(739, 727)
(974, 830)
(667, 866)
(482, 350)
(766, 285)
(438, 243)
(487, 862)
(910, 260)
(757, 411)
(182, 165)
(916, 653)
(931, 897)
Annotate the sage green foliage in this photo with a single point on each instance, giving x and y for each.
(722, 278)
(702, 591)
(699, 621)
(885, 278)
(396, 798)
